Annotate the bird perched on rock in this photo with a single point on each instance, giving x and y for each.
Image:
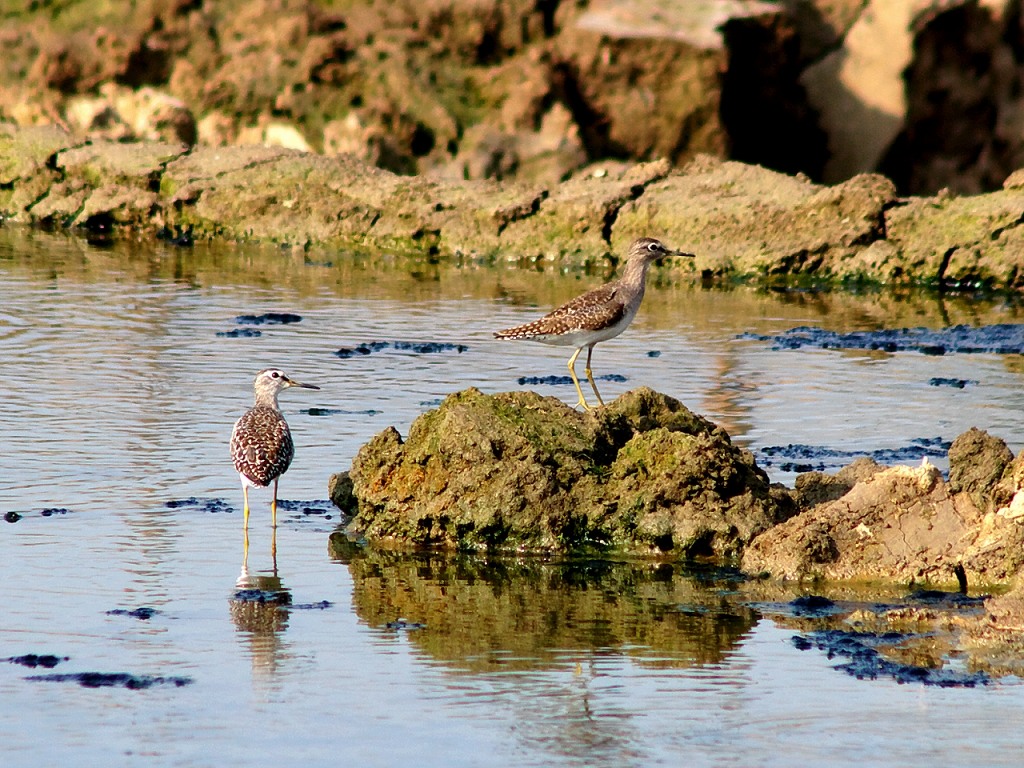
(597, 315)
(261, 443)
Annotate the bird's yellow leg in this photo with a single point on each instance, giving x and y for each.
(590, 376)
(245, 507)
(273, 548)
(273, 508)
(245, 527)
(572, 372)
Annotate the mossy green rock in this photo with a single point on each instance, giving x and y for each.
(518, 471)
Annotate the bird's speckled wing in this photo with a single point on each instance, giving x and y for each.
(594, 309)
(261, 445)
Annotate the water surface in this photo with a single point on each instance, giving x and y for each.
(118, 401)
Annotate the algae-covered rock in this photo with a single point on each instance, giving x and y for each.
(25, 174)
(520, 471)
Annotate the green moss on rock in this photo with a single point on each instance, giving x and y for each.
(524, 472)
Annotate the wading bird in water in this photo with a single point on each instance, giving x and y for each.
(261, 443)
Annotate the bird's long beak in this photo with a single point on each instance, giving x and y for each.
(669, 253)
(294, 383)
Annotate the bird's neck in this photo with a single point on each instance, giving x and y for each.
(267, 400)
(634, 275)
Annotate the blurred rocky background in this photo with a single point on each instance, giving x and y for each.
(929, 92)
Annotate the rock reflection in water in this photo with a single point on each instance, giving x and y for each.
(481, 614)
(553, 641)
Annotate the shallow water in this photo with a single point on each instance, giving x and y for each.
(119, 398)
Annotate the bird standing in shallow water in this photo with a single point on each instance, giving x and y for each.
(597, 315)
(261, 443)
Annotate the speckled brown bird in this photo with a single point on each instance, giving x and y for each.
(261, 443)
(597, 315)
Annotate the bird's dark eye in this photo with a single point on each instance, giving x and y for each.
(275, 375)
(654, 247)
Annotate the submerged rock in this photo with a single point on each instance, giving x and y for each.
(520, 471)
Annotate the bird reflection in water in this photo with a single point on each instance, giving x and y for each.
(259, 610)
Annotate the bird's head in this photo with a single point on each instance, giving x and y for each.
(648, 249)
(273, 380)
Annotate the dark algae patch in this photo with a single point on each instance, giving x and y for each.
(534, 381)
(111, 680)
(865, 661)
(940, 381)
(143, 613)
(367, 348)
(13, 516)
(999, 339)
(428, 347)
(204, 505)
(799, 457)
(318, 411)
(240, 333)
(269, 318)
(311, 507)
(33, 660)
(416, 347)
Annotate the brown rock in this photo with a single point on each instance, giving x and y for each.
(977, 461)
(901, 524)
(813, 488)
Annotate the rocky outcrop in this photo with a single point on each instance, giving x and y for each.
(925, 91)
(492, 90)
(644, 475)
(516, 471)
(741, 220)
